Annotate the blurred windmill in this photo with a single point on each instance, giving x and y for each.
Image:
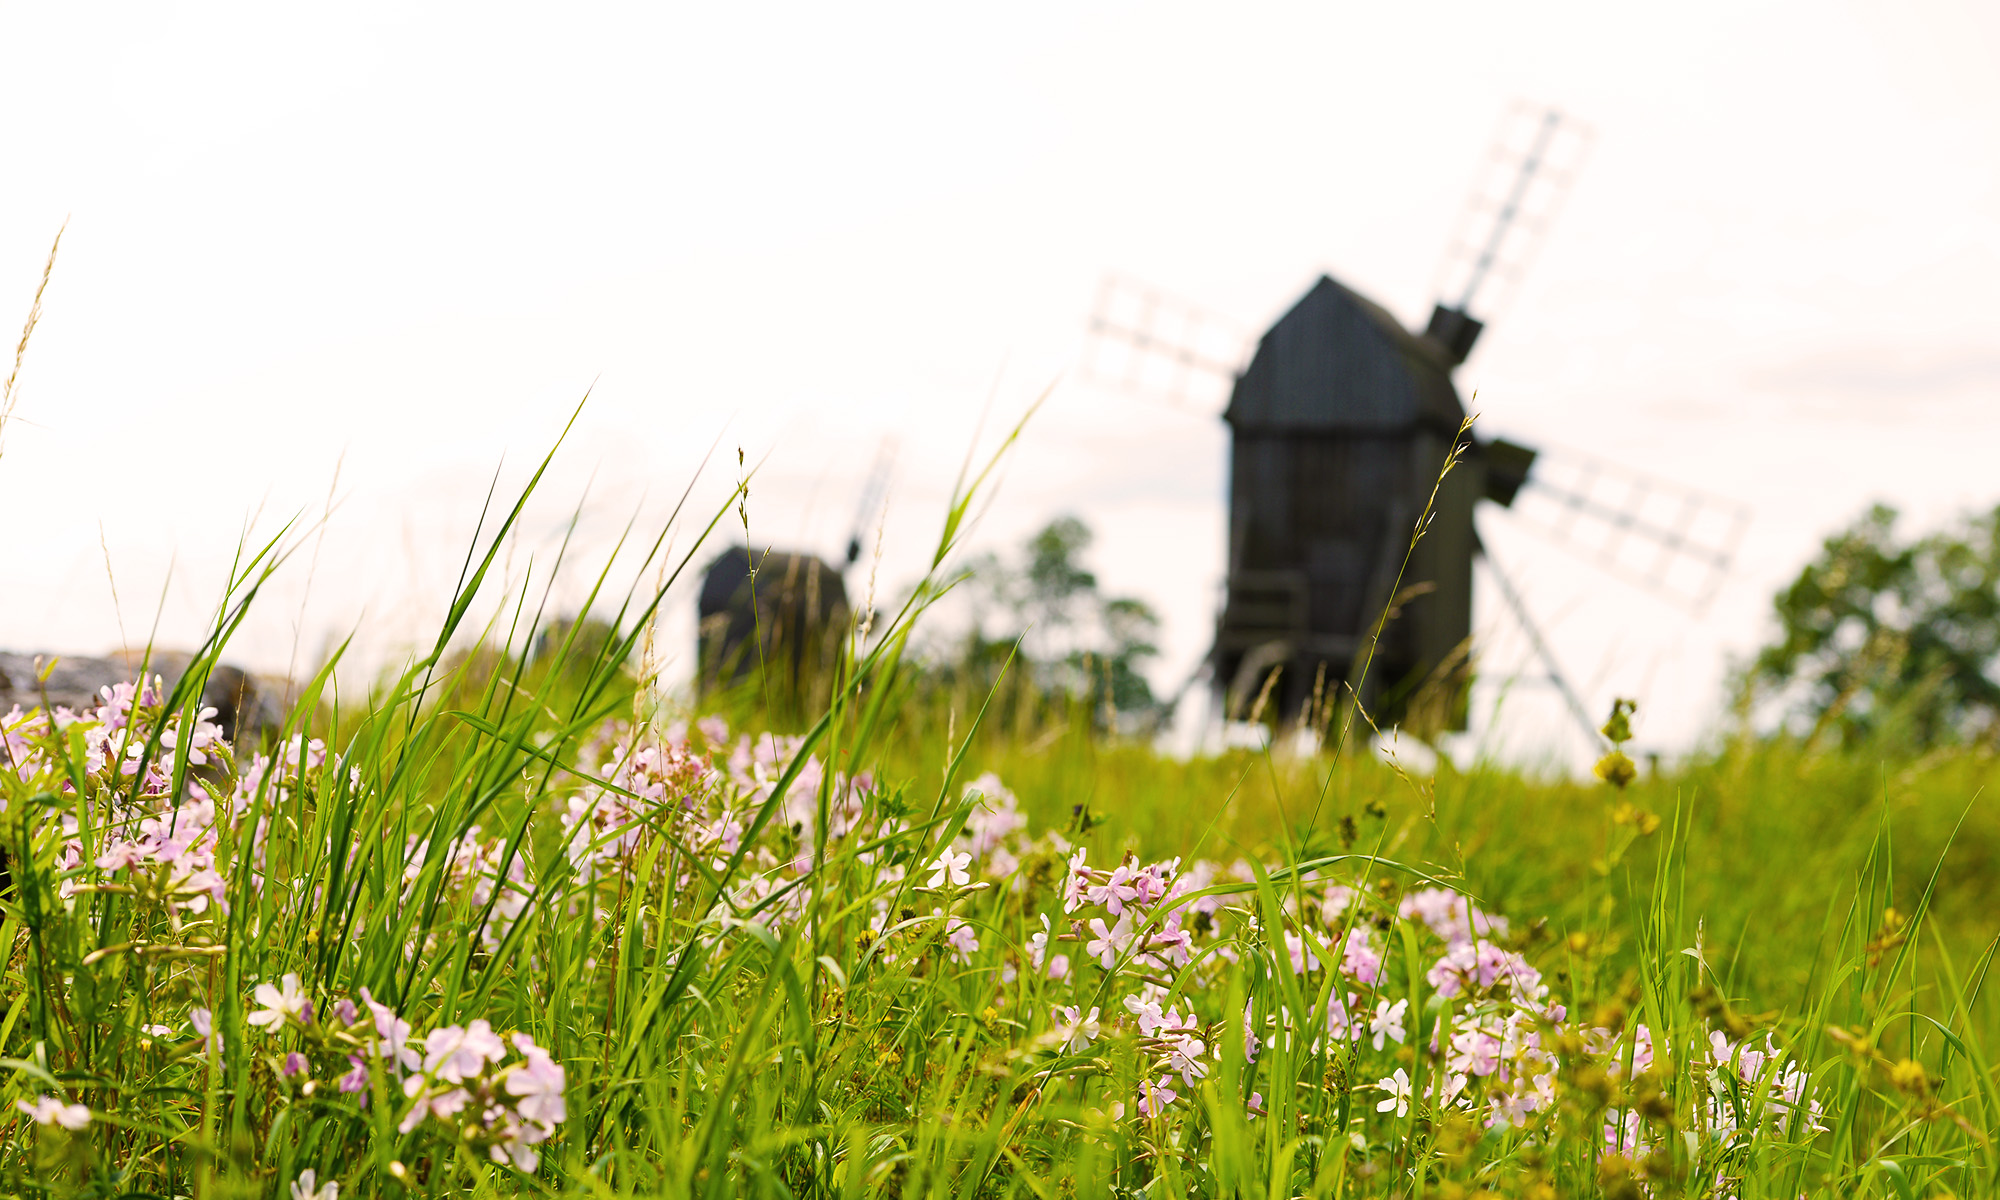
(794, 603)
(1342, 421)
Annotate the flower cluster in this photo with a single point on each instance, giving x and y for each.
(129, 754)
(1149, 986)
(487, 874)
(1752, 1089)
(503, 1095)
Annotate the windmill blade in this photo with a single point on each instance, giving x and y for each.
(865, 514)
(1674, 541)
(1144, 341)
(1522, 182)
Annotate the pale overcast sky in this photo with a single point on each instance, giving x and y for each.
(415, 235)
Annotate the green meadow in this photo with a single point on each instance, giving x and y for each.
(518, 922)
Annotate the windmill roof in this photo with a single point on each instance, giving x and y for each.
(1340, 363)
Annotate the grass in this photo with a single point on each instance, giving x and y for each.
(496, 937)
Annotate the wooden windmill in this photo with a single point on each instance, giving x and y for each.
(780, 611)
(1341, 424)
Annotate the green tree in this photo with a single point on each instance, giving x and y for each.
(1885, 638)
(1073, 637)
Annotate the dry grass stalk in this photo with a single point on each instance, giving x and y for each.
(9, 393)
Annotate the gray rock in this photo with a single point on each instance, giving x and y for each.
(246, 705)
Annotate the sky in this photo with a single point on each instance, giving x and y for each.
(345, 266)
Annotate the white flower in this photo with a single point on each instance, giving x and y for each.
(47, 1110)
(1388, 1021)
(1398, 1087)
(308, 1187)
(950, 866)
(279, 1003)
(1038, 945)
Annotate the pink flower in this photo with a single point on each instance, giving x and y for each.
(204, 736)
(538, 1083)
(453, 1054)
(357, 1079)
(1303, 959)
(1337, 901)
(1117, 891)
(204, 1024)
(1176, 945)
(1154, 1097)
(1627, 1135)
(1076, 1030)
(1109, 943)
(1478, 1052)
(1076, 887)
(1339, 1020)
(47, 1110)
(1450, 973)
(441, 1104)
(1148, 1011)
(1359, 959)
(1514, 1108)
(119, 855)
(962, 939)
(391, 1035)
(1184, 1056)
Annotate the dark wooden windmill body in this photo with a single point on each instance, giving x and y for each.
(1340, 427)
(776, 617)
(788, 618)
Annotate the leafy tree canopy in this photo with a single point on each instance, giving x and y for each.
(1885, 638)
(1072, 636)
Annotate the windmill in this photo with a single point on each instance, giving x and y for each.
(1341, 423)
(794, 603)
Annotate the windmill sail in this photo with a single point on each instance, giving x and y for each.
(868, 511)
(1519, 187)
(1671, 540)
(1144, 341)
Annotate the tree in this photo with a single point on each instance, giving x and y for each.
(1073, 638)
(1884, 638)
